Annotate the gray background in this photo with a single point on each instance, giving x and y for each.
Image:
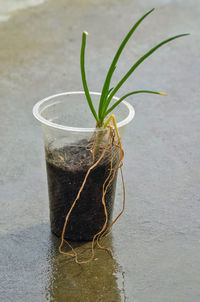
(156, 242)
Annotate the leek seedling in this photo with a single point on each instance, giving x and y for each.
(107, 93)
(112, 148)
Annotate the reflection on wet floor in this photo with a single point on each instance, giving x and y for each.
(95, 281)
(33, 268)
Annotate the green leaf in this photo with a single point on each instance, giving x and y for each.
(152, 50)
(114, 62)
(84, 81)
(106, 93)
(131, 93)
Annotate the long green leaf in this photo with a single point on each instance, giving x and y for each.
(136, 65)
(85, 86)
(131, 93)
(106, 93)
(114, 62)
(103, 104)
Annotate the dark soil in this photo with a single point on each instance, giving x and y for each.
(66, 169)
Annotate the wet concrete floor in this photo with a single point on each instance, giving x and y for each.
(156, 243)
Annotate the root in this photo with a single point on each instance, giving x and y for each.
(112, 143)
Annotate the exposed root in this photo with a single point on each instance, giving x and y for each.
(113, 145)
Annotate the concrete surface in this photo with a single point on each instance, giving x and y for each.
(156, 243)
(8, 8)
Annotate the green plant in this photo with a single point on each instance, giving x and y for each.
(110, 152)
(107, 92)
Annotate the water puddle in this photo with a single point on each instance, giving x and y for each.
(32, 269)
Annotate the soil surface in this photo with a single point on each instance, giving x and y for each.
(66, 170)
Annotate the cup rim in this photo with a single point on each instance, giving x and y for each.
(44, 121)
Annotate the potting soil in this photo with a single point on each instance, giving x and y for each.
(66, 170)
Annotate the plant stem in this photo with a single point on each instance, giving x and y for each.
(100, 133)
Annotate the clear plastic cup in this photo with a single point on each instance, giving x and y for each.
(68, 128)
